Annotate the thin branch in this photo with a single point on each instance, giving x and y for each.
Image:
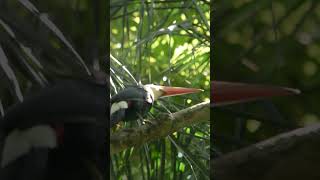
(164, 126)
(293, 155)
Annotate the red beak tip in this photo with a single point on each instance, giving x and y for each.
(196, 90)
(293, 91)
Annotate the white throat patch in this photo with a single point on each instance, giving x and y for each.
(118, 105)
(20, 142)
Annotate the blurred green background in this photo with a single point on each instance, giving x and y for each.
(165, 43)
(265, 42)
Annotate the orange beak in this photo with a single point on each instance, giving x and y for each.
(223, 93)
(175, 91)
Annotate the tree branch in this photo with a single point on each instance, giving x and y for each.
(164, 126)
(294, 155)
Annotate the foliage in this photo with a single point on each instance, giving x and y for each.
(41, 42)
(272, 42)
(167, 43)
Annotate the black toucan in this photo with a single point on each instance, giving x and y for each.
(59, 133)
(135, 101)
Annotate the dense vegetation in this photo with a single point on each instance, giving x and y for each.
(167, 43)
(43, 41)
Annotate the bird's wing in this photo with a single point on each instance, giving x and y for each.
(65, 101)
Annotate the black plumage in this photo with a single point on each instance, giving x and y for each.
(77, 111)
(139, 102)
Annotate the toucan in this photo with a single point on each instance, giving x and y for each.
(60, 132)
(135, 101)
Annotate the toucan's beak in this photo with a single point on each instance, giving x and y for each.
(228, 93)
(174, 91)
